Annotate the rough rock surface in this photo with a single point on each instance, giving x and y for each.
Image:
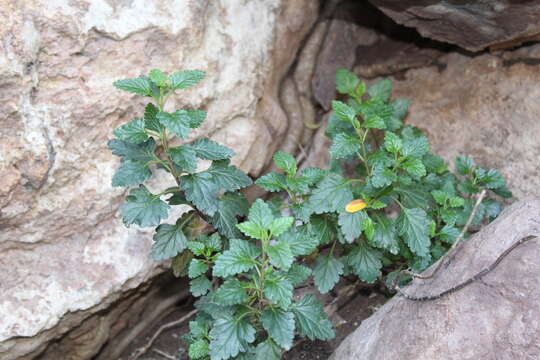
(471, 24)
(64, 252)
(485, 107)
(497, 317)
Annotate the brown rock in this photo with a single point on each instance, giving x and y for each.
(470, 24)
(496, 317)
(480, 107)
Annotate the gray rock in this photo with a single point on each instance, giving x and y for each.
(471, 24)
(497, 317)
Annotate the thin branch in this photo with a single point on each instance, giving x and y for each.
(143, 349)
(164, 354)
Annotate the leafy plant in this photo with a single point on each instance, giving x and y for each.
(384, 203)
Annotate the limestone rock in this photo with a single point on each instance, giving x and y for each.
(483, 107)
(471, 24)
(497, 317)
(64, 252)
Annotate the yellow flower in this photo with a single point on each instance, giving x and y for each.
(355, 205)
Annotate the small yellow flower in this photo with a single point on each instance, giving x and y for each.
(355, 205)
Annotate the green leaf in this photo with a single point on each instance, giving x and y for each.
(492, 179)
(439, 196)
(278, 290)
(230, 335)
(413, 225)
(267, 350)
(401, 107)
(285, 162)
(142, 153)
(185, 79)
(198, 349)
(415, 167)
(298, 274)
(456, 201)
(344, 145)
(196, 247)
(449, 234)
(392, 143)
(231, 292)
(181, 121)
(140, 86)
(327, 272)
(311, 320)
(331, 194)
(239, 258)
(416, 147)
(261, 214)
(169, 240)
(280, 326)
(382, 176)
(413, 196)
(365, 262)
(346, 81)
(200, 286)
(131, 173)
(464, 165)
(337, 126)
(300, 242)
(252, 229)
(381, 90)
(272, 182)
(375, 114)
(343, 111)
(385, 236)
(158, 77)
(351, 224)
(185, 157)
(280, 255)
(434, 164)
(230, 206)
(228, 177)
(201, 190)
(132, 132)
(297, 184)
(368, 226)
(312, 175)
(143, 208)
(280, 225)
(210, 150)
(180, 262)
(196, 268)
(150, 118)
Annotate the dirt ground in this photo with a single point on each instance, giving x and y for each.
(169, 346)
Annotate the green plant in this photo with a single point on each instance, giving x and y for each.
(385, 203)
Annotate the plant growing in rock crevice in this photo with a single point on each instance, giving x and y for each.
(399, 208)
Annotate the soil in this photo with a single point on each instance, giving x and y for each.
(347, 318)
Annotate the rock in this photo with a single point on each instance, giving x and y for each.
(338, 51)
(496, 317)
(483, 107)
(470, 24)
(65, 254)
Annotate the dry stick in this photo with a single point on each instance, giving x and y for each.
(472, 279)
(164, 354)
(143, 349)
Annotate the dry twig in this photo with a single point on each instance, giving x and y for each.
(143, 349)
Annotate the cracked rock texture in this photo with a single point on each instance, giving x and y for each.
(473, 25)
(497, 317)
(485, 107)
(64, 254)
